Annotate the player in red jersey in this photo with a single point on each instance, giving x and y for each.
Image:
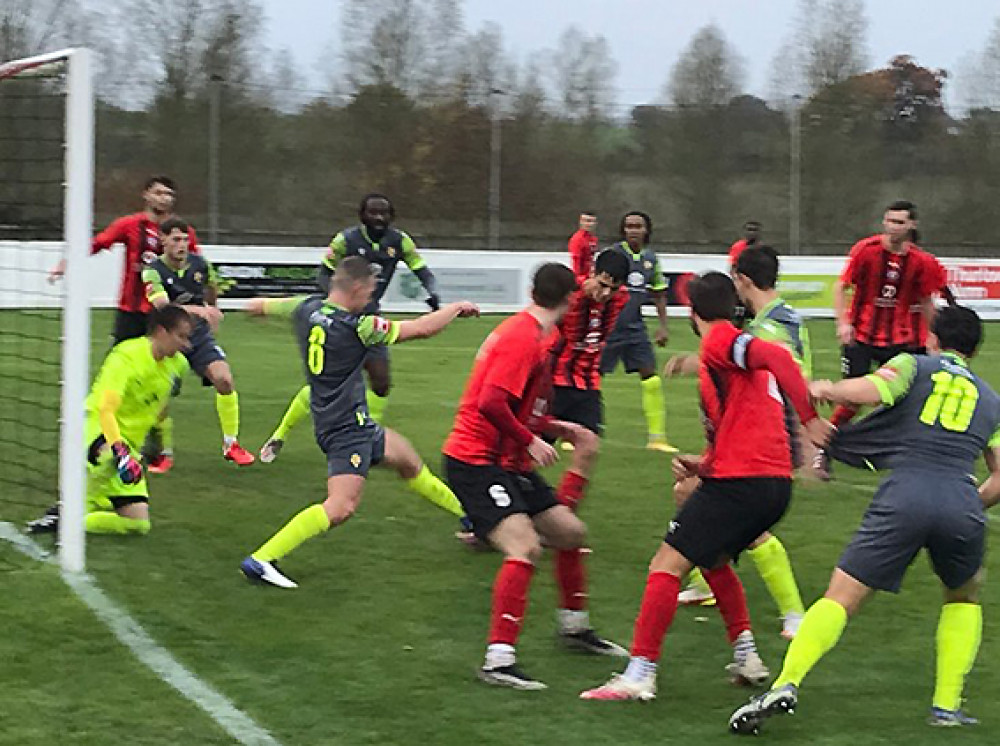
(746, 485)
(140, 235)
(940, 283)
(888, 274)
(751, 236)
(490, 460)
(583, 246)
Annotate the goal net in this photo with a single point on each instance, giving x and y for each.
(46, 205)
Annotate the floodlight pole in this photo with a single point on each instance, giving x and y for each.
(494, 193)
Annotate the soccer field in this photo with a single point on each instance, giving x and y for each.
(380, 643)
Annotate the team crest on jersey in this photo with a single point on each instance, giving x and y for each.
(391, 251)
(647, 264)
(355, 460)
(198, 277)
(636, 279)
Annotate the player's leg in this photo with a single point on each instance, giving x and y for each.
(586, 408)
(113, 507)
(298, 409)
(771, 560)
(697, 592)
(379, 383)
(562, 530)
(399, 454)
(640, 358)
(956, 549)
(348, 462)
(227, 406)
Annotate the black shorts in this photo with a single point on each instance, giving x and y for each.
(724, 516)
(633, 348)
(490, 494)
(353, 451)
(202, 349)
(582, 406)
(129, 325)
(856, 359)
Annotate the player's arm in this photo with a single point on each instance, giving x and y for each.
(156, 293)
(432, 323)
(110, 387)
(686, 364)
(212, 285)
(579, 254)
(845, 330)
(989, 490)
(417, 265)
(751, 353)
(114, 233)
(336, 252)
(888, 385)
(280, 307)
(658, 288)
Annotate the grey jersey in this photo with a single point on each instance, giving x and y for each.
(937, 415)
(643, 278)
(334, 344)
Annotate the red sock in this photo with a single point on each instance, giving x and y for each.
(571, 576)
(510, 599)
(571, 489)
(842, 415)
(659, 604)
(732, 601)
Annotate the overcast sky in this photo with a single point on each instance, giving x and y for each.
(646, 36)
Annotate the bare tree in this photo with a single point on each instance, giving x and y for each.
(709, 72)
(979, 74)
(383, 43)
(827, 44)
(583, 73)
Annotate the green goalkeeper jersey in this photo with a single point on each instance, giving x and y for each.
(142, 382)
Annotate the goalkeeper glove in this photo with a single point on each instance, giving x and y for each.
(129, 470)
(433, 301)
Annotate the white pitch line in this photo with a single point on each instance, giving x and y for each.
(154, 656)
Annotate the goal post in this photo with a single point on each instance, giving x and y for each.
(74, 67)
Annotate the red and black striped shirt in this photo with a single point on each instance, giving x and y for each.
(140, 235)
(886, 285)
(585, 329)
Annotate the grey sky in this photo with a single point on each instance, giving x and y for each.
(646, 36)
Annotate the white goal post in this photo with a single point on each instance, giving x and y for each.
(78, 206)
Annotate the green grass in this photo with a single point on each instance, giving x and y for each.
(380, 643)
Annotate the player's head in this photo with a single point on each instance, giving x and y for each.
(353, 282)
(159, 194)
(174, 239)
(713, 298)
(636, 227)
(955, 328)
(900, 222)
(751, 231)
(756, 269)
(610, 271)
(588, 221)
(551, 287)
(376, 213)
(170, 328)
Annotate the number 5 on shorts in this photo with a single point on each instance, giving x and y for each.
(952, 402)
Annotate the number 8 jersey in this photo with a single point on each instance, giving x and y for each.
(936, 414)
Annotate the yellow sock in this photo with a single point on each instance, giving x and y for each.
(652, 407)
(309, 522)
(297, 409)
(434, 490)
(772, 563)
(228, 408)
(376, 405)
(106, 522)
(821, 628)
(698, 580)
(960, 628)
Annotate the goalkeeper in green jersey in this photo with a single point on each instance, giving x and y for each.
(755, 274)
(376, 241)
(335, 334)
(126, 400)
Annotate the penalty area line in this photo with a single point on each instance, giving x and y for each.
(154, 656)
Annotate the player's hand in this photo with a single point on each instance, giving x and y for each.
(684, 488)
(129, 470)
(819, 431)
(679, 365)
(662, 336)
(845, 333)
(466, 309)
(585, 442)
(434, 301)
(57, 271)
(821, 390)
(212, 316)
(685, 467)
(542, 453)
